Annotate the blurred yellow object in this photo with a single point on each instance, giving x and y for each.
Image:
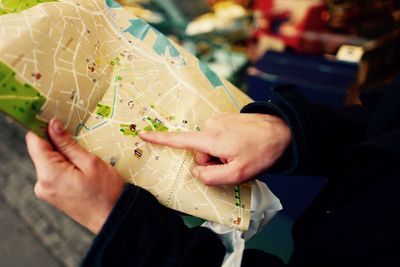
(229, 10)
(225, 14)
(134, 7)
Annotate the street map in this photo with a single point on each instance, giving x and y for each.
(108, 75)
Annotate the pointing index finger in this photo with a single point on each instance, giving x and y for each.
(184, 140)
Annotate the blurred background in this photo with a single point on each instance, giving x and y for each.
(333, 50)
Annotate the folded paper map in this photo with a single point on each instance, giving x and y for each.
(107, 76)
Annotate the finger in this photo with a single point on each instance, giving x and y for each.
(68, 148)
(39, 150)
(184, 140)
(203, 158)
(221, 174)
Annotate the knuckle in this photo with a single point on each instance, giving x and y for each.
(212, 121)
(204, 178)
(45, 181)
(94, 163)
(214, 135)
(66, 145)
(237, 176)
(39, 191)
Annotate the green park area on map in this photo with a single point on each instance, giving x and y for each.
(103, 110)
(20, 101)
(14, 6)
(156, 125)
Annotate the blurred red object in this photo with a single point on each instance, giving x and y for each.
(305, 38)
(263, 5)
(300, 35)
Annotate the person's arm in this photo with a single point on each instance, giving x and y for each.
(139, 231)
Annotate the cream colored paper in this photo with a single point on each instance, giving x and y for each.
(108, 75)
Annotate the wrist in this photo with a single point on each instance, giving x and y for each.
(101, 212)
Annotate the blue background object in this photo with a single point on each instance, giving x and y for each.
(319, 79)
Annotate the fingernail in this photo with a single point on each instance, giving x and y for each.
(144, 134)
(57, 127)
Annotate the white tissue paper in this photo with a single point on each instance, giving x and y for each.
(264, 206)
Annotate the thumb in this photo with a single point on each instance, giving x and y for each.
(67, 146)
(41, 152)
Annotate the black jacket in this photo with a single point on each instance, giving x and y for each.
(352, 222)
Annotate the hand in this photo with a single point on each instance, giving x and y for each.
(232, 148)
(73, 180)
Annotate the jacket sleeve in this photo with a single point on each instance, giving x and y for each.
(321, 134)
(141, 232)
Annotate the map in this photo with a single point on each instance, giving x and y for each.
(107, 76)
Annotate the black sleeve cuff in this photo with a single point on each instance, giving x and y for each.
(142, 232)
(288, 163)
